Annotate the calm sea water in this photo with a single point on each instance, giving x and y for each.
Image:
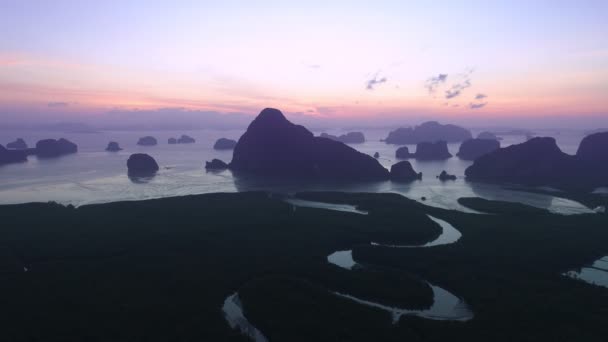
(96, 176)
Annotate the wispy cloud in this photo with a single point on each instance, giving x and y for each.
(370, 84)
(434, 82)
(57, 104)
(477, 105)
(458, 88)
(480, 96)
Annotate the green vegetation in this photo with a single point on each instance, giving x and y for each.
(159, 270)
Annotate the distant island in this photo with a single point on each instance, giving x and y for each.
(50, 148)
(430, 131)
(18, 144)
(348, 138)
(426, 151)
(147, 141)
(184, 139)
(539, 161)
(224, 144)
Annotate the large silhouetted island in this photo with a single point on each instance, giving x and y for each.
(539, 161)
(273, 146)
(474, 148)
(430, 131)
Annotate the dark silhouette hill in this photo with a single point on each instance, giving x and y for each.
(273, 146)
(539, 161)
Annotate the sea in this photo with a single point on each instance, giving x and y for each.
(95, 176)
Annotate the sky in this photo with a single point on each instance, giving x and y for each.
(483, 62)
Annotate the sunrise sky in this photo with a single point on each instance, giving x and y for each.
(330, 59)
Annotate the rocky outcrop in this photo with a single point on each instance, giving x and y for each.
(474, 148)
(172, 141)
(224, 144)
(403, 153)
(11, 156)
(147, 141)
(216, 164)
(444, 176)
(404, 172)
(141, 165)
(113, 147)
(432, 151)
(186, 139)
(377, 155)
(274, 147)
(348, 138)
(18, 144)
(428, 132)
(487, 136)
(50, 148)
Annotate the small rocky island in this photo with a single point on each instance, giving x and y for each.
(444, 176)
(147, 141)
(50, 148)
(348, 138)
(224, 144)
(113, 147)
(403, 153)
(184, 139)
(11, 156)
(216, 164)
(141, 165)
(474, 148)
(18, 144)
(540, 162)
(404, 172)
(425, 151)
(272, 146)
(428, 132)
